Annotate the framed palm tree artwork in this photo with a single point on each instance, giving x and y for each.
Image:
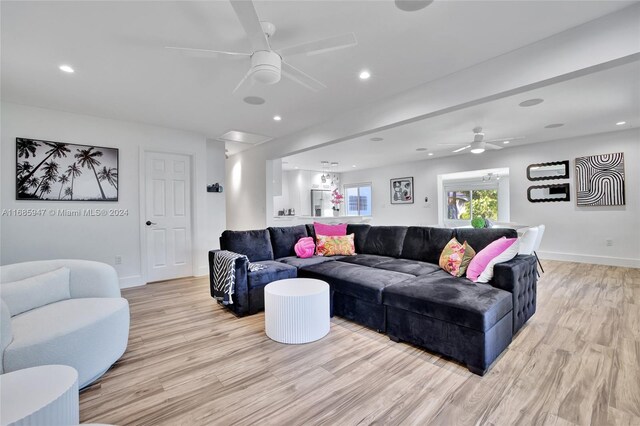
(57, 171)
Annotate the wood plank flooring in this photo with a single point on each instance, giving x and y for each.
(190, 362)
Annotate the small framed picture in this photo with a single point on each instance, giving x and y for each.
(402, 190)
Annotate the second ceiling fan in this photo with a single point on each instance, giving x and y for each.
(479, 145)
(267, 65)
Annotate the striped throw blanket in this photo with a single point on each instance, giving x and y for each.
(224, 274)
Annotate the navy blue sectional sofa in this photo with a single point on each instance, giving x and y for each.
(394, 285)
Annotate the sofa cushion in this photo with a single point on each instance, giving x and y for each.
(36, 291)
(256, 244)
(384, 240)
(370, 260)
(274, 271)
(284, 239)
(301, 263)
(456, 300)
(413, 267)
(361, 230)
(358, 281)
(425, 243)
(478, 239)
(88, 334)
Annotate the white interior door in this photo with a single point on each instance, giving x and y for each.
(168, 216)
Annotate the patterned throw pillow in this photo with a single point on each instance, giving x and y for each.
(456, 257)
(335, 246)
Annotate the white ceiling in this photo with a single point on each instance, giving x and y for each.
(586, 105)
(123, 71)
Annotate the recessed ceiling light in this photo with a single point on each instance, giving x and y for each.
(430, 154)
(531, 102)
(553, 126)
(254, 100)
(364, 75)
(354, 166)
(506, 142)
(376, 139)
(421, 149)
(412, 5)
(277, 118)
(621, 123)
(66, 68)
(295, 167)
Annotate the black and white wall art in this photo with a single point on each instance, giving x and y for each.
(600, 180)
(402, 190)
(57, 171)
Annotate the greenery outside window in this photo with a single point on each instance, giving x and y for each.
(464, 203)
(357, 199)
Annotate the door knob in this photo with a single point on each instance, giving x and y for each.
(149, 223)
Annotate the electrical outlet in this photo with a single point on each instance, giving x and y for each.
(609, 243)
(118, 260)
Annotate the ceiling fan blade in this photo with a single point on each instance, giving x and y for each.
(462, 149)
(506, 139)
(321, 46)
(205, 53)
(301, 77)
(248, 17)
(492, 146)
(453, 144)
(244, 79)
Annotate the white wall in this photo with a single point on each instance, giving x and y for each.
(572, 233)
(103, 238)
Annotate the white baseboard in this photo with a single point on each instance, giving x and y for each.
(202, 271)
(131, 281)
(586, 258)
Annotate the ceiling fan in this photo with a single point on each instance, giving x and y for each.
(479, 145)
(268, 65)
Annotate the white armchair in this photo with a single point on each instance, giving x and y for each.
(88, 331)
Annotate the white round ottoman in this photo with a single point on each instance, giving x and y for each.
(45, 395)
(296, 310)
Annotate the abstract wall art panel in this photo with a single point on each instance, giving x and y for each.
(600, 180)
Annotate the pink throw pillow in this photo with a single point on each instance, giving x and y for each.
(481, 267)
(305, 247)
(330, 230)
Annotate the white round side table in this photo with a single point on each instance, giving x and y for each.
(45, 395)
(296, 310)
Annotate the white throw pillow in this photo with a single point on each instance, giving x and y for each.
(505, 256)
(33, 292)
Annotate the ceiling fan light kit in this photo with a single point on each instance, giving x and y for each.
(477, 147)
(266, 67)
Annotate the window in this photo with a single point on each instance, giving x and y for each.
(357, 199)
(467, 204)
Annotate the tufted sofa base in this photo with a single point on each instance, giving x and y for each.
(370, 315)
(474, 348)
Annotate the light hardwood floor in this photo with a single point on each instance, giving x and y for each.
(577, 361)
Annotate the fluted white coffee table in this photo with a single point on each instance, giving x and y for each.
(296, 310)
(45, 395)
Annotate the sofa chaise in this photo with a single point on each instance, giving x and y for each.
(395, 286)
